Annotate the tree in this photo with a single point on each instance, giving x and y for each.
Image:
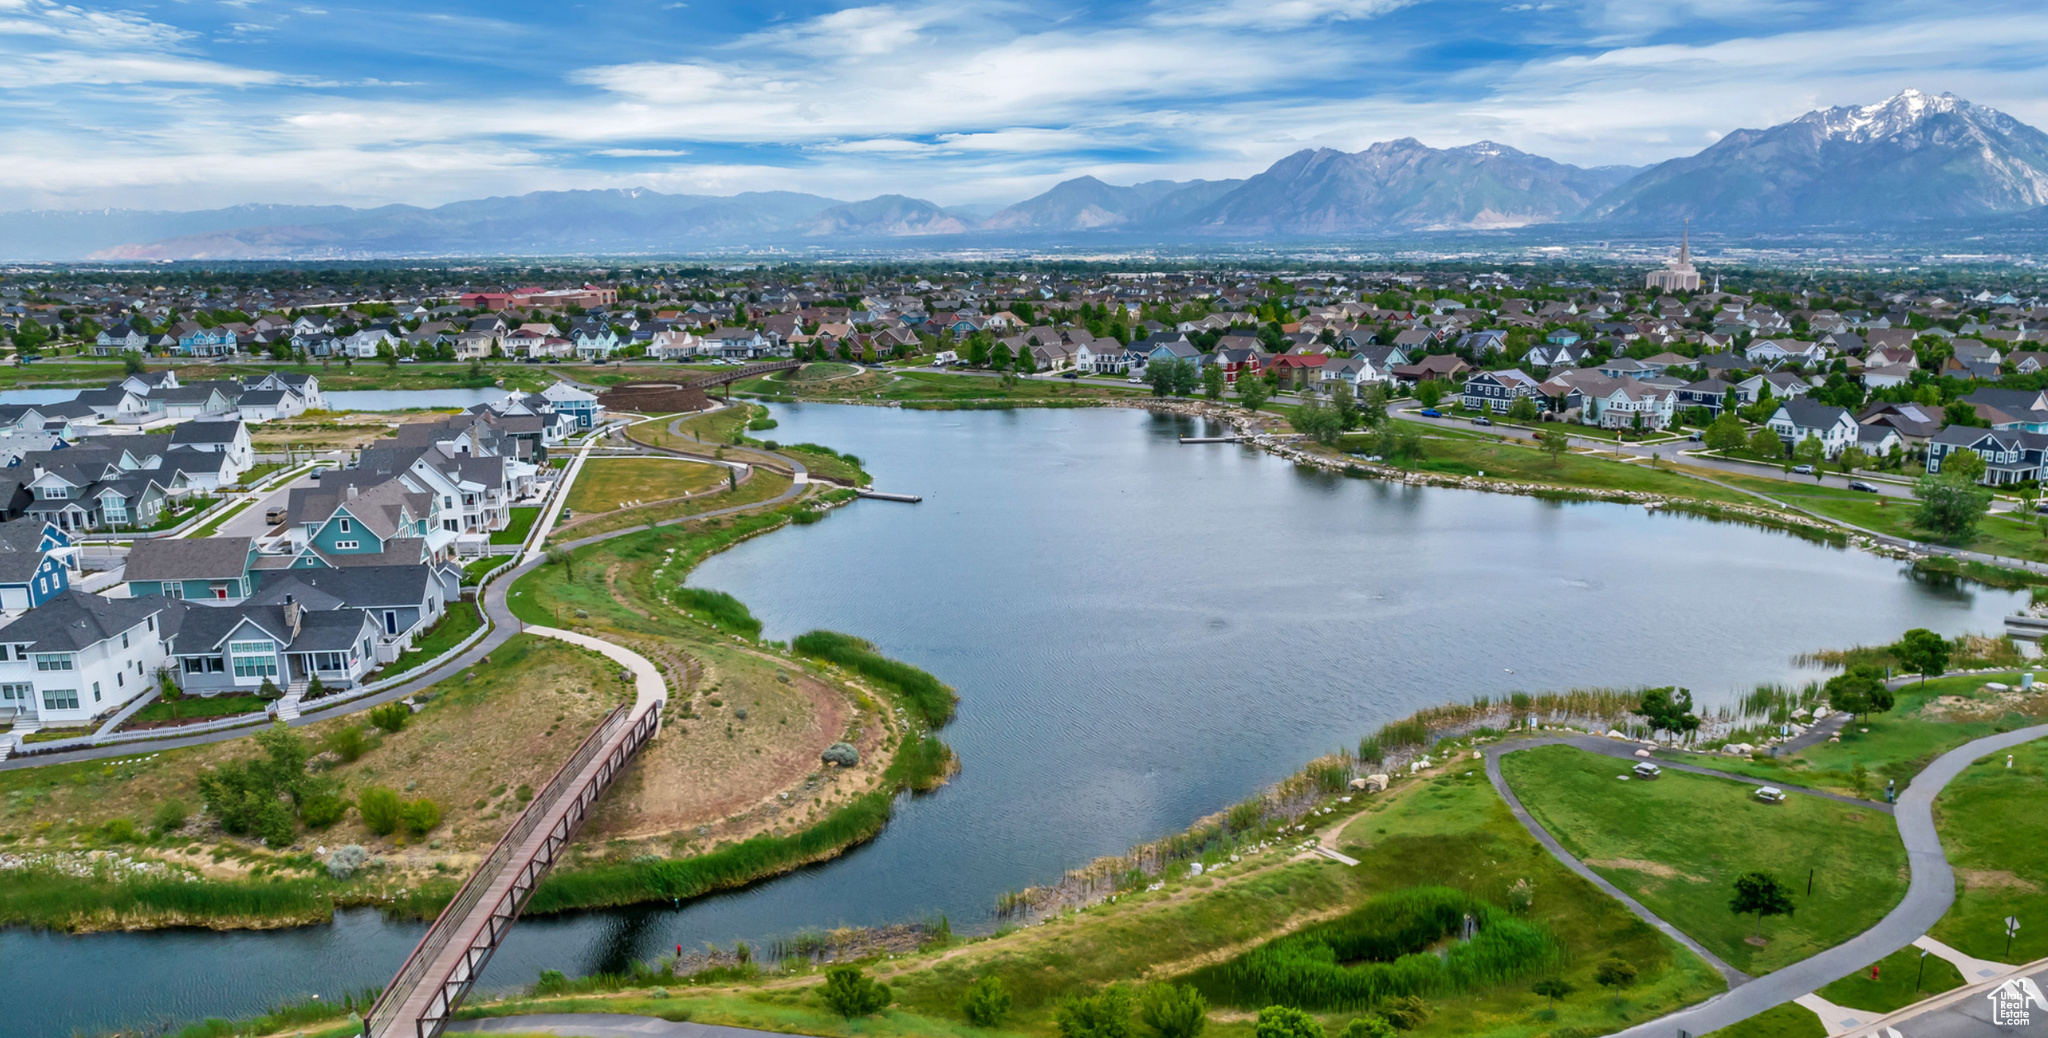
(1553, 989)
(131, 363)
(1853, 458)
(1859, 690)
(1345, 403)
(1765, 442)
(852, 993)
(564, 558)
(1555, 442)
(1950, 505)
(1760, 894)
(1725, 434)
(1523, 410)
(1318, 422)
(1105, 1015)
(1669, 709)
(1614, 973)
(1252, 391)
(1187, 374)
(1372, 407)
(1430, 392)
(1286, 1022)
(1923, 652)
(1961, 413)
(250, 796)
(1160, 374)
(1174, 1011)
(1212, 381)
(987, 1002)
(1811, 451)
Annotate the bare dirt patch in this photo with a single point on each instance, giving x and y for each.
(1996, 879)
(1648, 868)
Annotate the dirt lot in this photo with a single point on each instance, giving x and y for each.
(335, 431)
(611, 483)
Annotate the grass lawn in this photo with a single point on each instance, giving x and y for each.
(1918, 728)
(461, 620)
(817, 371)
(165, 520)
(257, 473)
(191, 707)
(1897, 974)
(762, 486)
(207, 528)
(1468, 456)
(825, 462)
(1678, 843)
(1780, 1021)
(609, 483)
(1996, 534)
(473, 571)
(1995, 830)
(709, 429)
(518, 523)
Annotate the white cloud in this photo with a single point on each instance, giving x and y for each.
(1273, 14)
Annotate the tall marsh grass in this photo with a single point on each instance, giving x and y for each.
(926, 695)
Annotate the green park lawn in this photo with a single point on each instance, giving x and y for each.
(609, 483)
(461, 620)
(1902, 979)
(198, 707)
(1465, 455)
(1993, 822)
(1996, 534)
(1678, 843)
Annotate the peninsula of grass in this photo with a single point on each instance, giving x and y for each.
(1678, 843)
(1995, 831)
(518, 523)
(826, 463)
(1927, 720)
(606, 484)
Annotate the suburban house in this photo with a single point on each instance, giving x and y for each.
(1433, 368)
(1297, 369)
(1914, 423)
(36, 562)
(1774, 352)
(401, 602)
(78, 656)
(1498, 390)
(229, 438)
(1710, 393)
(235, 649)
(91, 491)
(577, 404)
(1797, 419)
(330, 522)
(119, 339)
(2025, 409)
(2010, 455)
(1782, 384)
(214, 569)
(194, 341)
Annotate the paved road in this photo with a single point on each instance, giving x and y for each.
(1928, 895)
(249, 521)
(1967, 1012)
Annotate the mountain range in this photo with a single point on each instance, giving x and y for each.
(1911, 160)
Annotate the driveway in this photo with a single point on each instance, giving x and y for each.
(249, 521)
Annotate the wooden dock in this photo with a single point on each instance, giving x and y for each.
(1210, 439)
(877, 495)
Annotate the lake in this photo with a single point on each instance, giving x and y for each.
(1142, 633)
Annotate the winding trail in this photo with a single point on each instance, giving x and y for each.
(1928, 896)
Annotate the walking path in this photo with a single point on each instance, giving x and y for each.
(1928, 895)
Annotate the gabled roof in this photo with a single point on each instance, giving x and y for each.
(73, 620)
(189, 558)
(356, 587)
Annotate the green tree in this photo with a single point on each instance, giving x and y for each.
(1725, 434)
(258, 797)
(1760, 894)
(1614, 973)
(1429, 393)
(1000, 356)
(1963, 464)
(1766, 443)
(1853, 458)
(1811, 451)
(1345, 403)
(131, 363)
(1159, 374)
(1859, 690)
(1668, 709)
(1553, 989)
(1212, 381)
(1318, 421)
(1555, 442)
(1522, 410)
(987, 1002)
(1252, 391)
(1187, 375)
(1960, 413)
(1372, 406)
(1950, 506)
(1104, 1015)
(1286, 1022)
(1174, 1011)
(381, 809)
(852, 993)
(1922, 652)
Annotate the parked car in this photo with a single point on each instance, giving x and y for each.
(1070, 374)
(1135, 380)
(274, 516)
(1804, 470)
(1695, 437)
(1857, 484)
(1431, 412)
(1482, 420)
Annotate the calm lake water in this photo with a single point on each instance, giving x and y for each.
(1141, 633)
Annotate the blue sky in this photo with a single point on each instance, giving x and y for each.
(194, 103)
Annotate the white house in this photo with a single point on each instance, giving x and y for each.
(79, 656)
(1780, 351)
(229, 437)
(1798, 418)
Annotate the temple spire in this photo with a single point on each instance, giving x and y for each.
(1685, 243)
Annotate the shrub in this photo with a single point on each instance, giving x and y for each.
(1371, 1025)
(391, 716)
(170, 816)
(380, 809)
(987, 1002)
(1405, 1012)
(1286, 1022)
(315, 688)
(322, 810)
(851, 993)
(1615, 973)
(419, 817)
(349, 744)
(119, 830)
(269, 690)
(1106, 1015)
(1174, 1011)
(844, 754)
(345, 862)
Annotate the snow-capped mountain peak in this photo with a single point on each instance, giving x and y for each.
(1891, 117)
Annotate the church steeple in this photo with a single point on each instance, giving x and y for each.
(1685, 243)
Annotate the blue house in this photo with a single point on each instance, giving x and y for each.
(206, 342)
(575, 403)
(35, 563)
(214, 569)
(335, 519)
(1562, 337)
